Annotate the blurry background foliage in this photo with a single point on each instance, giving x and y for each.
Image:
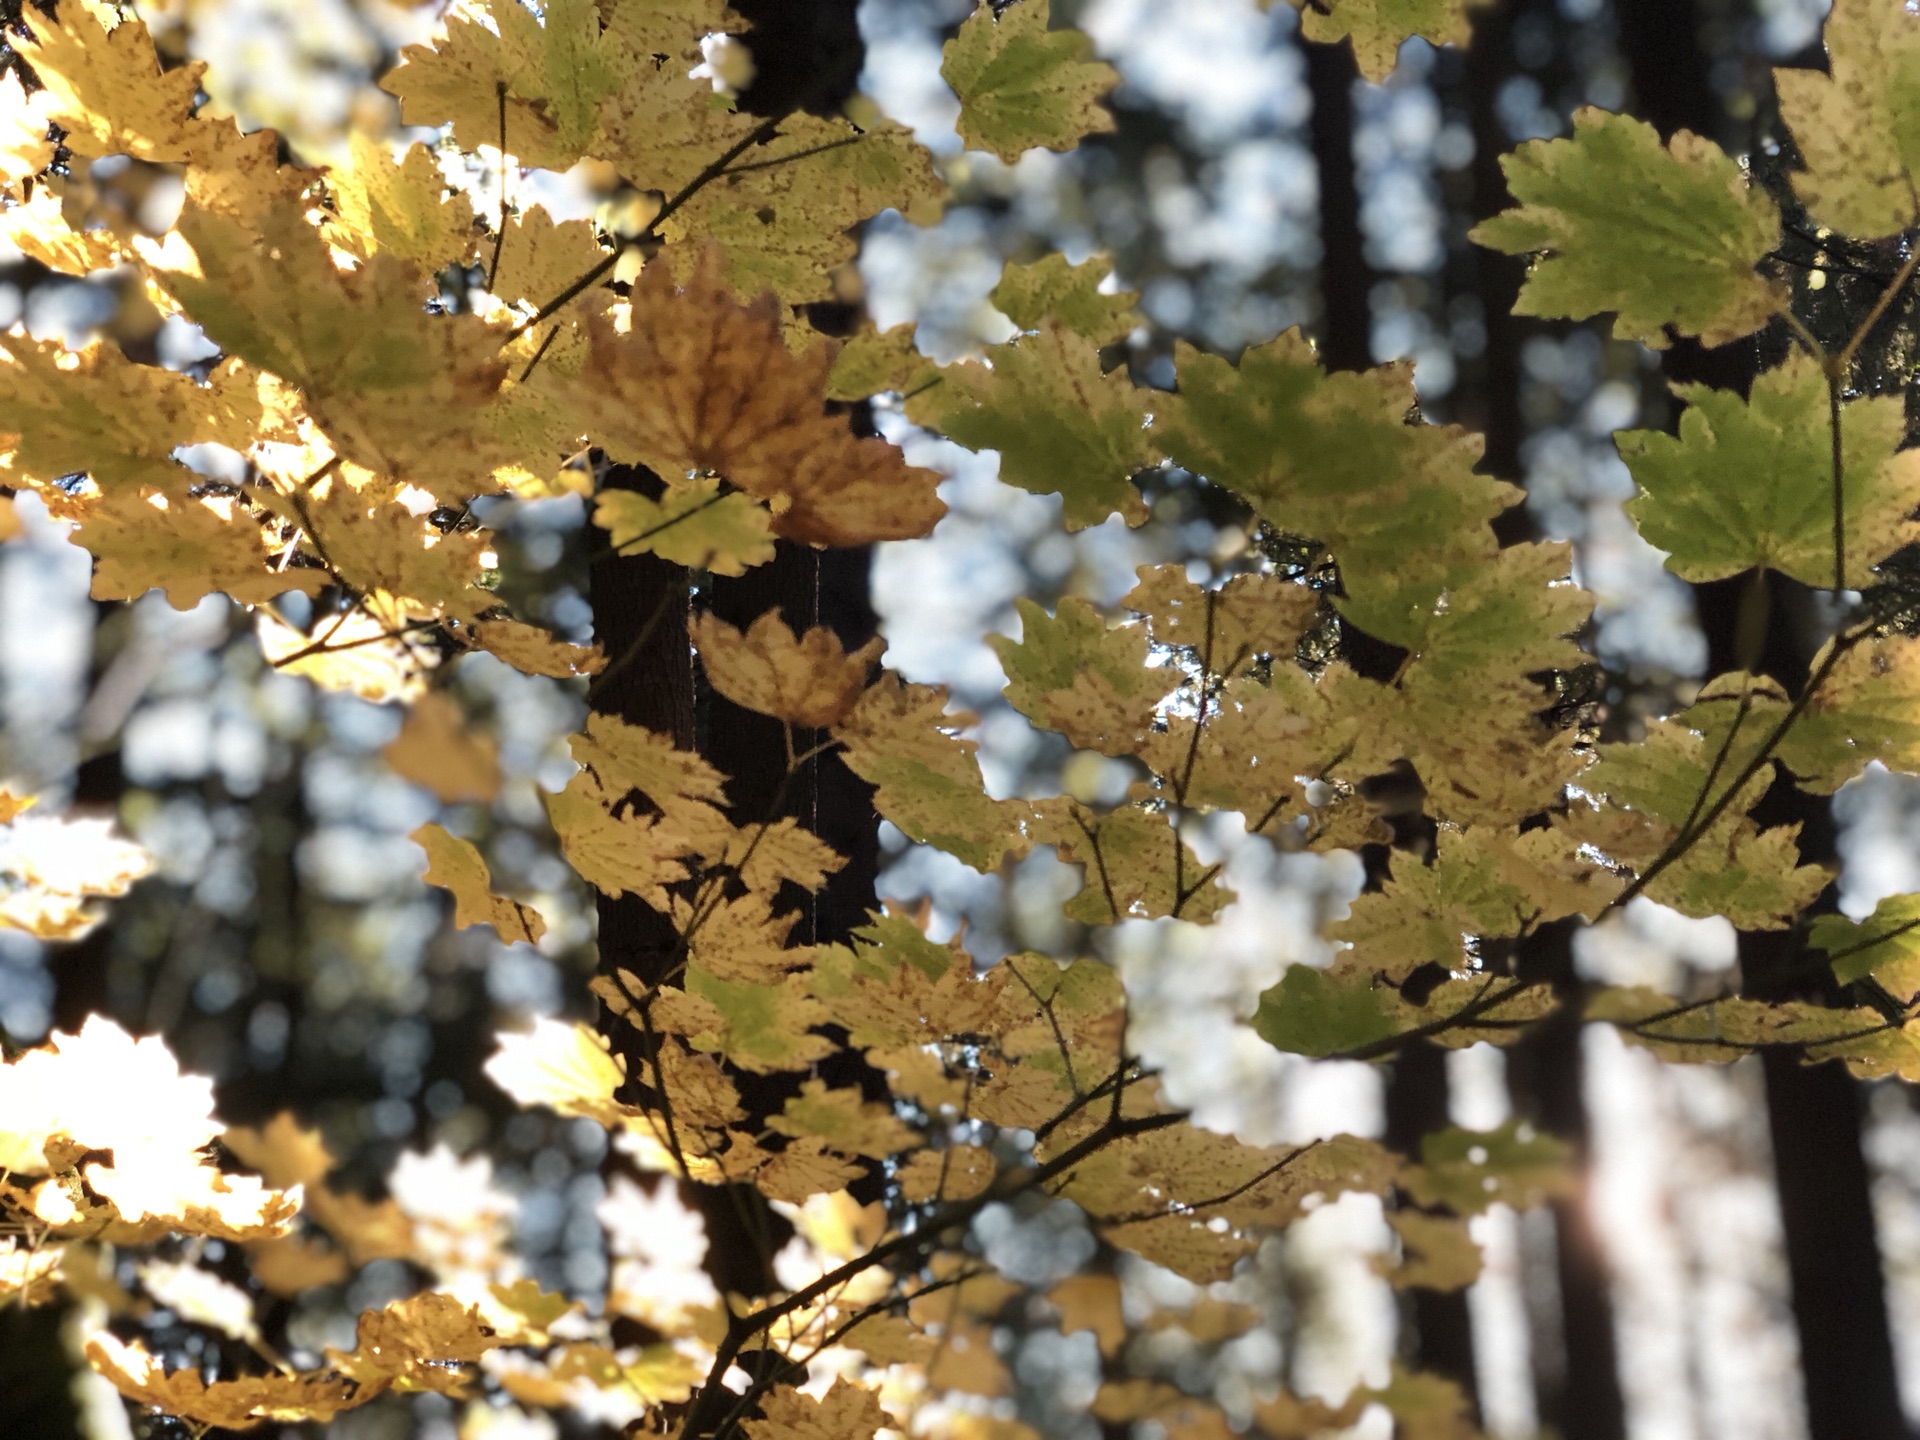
(286, 947)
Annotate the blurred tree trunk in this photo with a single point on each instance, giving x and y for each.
(1437, 1329)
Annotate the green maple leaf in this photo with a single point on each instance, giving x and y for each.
(693, 524)
(1658, 235)
(1029, 294)
(1333, 457)
(1070, 672)
(1022, 85)
(1750, 482)
(1885, 945)
(1347, 1007)
(1858, 126)
(1379, 27)
(1060, 424)
(1468, 1170)
(1867, 709)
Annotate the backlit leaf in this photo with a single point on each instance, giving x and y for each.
(1378, 27)
(1022, 84)
(1049, 288)
(808, 680)
(1858, 126)
(435, 749)
(1885, 945)
(1751, 482)
(697, 524)
(457, 866)
(1061, 425)
(1660, 235)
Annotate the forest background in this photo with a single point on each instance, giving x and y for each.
(1741, 1257)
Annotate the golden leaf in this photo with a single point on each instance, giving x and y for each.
(436, 751)
(701, 382)
(350, 651)
(848, 1412)
(564, 1067)
(96, 411)
(397, 389)
(807, 680)
(238, 1404)
(106, 88)
(533, 651)
(804, 1168)
(399, 208)
(457, 866)
(25, 149)
(699, 524)
(845, 1121)
(188, 548)
(1091, 1302)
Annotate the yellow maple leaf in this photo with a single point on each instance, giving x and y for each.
(396, 388)
(25, 149)
(96, 411)
(51, 867)
(106, 88)
(455, 865)
(434, 749)
(189, 548)
(700, 524)
(700, 382)
(398, 207)
(806, 680)
(848, 1412)
(239, 1404)
(352, 651)
(533, 651)
(565, 1067)
(65, 1102)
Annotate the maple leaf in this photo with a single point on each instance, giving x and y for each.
(401, 208)
(106, 89)
(96, 411)
(1061, 425)
(1071, 673)
(145, 1163)
(39, 229)
(434, 749)
(808, 680)
(845, 1121)
(899, 737)
(1136, 866)
(239, 1404)
(25, 149)
(1347, 1008)
(1379, 27)
(701, 382)
(414, 1345)
(1332, 457)
(351, 651)
(1661, 236)
(784, 212)
(1864, 711)
(957, 1172)
(565, 1067)
(699, 524)
(1227, 627)
(848, 1412)
(540, 257)
(875, 361)
(1468, 1170)
(399, 390)
(1050, 288)
(1857, 126)
(760, 1028)
(1023, 85)
(1750, 482)
(457, 866)
(1885, 945)
(188, 548)
(548, 73)
(1436, 1253)
(533, 651)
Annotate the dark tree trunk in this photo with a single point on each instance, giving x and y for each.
(805, 56)
(1346, 280)
(1813, 1113)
